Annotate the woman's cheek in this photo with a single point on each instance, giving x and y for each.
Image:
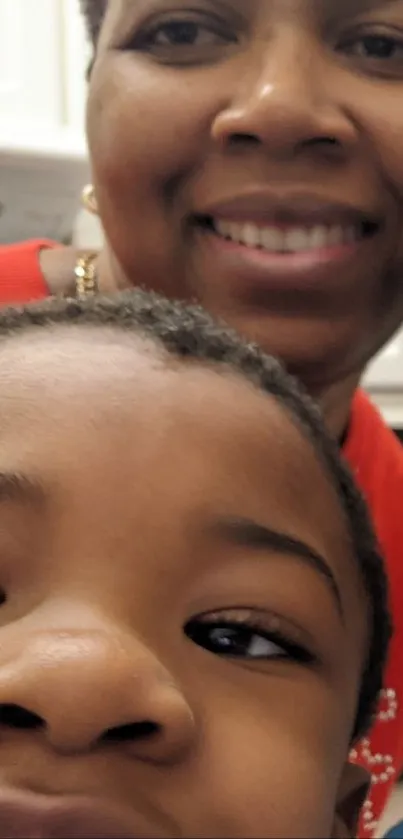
(148, 125)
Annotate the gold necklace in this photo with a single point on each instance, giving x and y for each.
(85, 276)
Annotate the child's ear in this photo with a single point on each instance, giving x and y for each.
(352, 793)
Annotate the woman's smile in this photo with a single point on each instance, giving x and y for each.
(295, 242)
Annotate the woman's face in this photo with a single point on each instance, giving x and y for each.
(249, 154)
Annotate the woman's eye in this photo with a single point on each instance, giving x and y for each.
(234, 640)
(183, 34)
(185, 40)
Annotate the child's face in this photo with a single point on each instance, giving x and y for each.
(156, 516)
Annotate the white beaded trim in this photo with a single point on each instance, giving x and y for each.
(381, 765)
(392, 705)
(370, 823)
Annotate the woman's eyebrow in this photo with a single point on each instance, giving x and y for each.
(350, 8)
(253, 535)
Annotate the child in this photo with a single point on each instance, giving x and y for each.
(194, 612)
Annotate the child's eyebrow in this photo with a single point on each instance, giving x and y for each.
(252, 534)
(23, 489)
(15, 486)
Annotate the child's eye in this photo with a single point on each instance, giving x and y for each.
(375, 50)
(376, 46)
(233, 640)
(241, 639)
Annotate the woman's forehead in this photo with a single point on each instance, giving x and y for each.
(320, 8)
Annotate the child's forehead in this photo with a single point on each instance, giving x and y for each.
(74, 364)
(122, 385)
(86, 362)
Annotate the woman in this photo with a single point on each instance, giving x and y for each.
(249, 156)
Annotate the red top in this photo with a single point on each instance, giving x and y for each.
(20, 276)
(376, 457)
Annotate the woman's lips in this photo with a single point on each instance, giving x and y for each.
(287, 257)
(30, 816)
(293, 241)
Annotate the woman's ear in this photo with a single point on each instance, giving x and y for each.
(353, 790)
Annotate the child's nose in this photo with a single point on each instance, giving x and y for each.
(90, 687)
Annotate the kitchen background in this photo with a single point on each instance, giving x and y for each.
(43, 162)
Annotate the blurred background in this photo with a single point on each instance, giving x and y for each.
(43, 162)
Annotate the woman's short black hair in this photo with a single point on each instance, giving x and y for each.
(188, 332)
(93, 12)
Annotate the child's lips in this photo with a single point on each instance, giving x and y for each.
(26, 815)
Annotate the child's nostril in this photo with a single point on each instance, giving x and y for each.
(131, 732)
(13, 716)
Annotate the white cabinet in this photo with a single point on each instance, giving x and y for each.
(386, 371)
(30, 71)
(43, 56)
(384, 381)
(77, 54)
(43, 158)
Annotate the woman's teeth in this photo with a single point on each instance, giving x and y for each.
(287, 240)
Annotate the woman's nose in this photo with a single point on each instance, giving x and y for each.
(286, 100)
(83, 689)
